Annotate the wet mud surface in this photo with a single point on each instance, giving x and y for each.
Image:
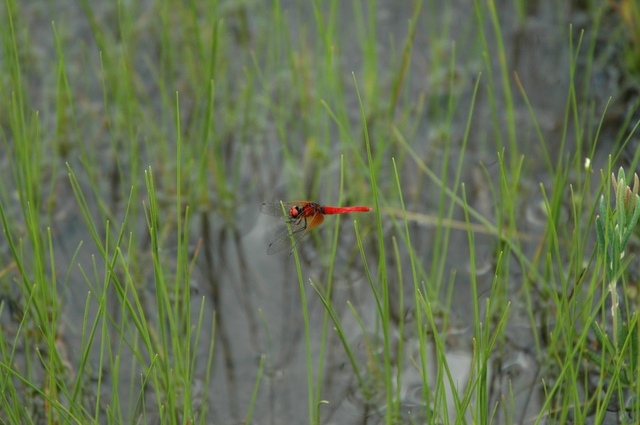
(256, 297)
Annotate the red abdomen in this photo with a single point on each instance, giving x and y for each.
(344, 210)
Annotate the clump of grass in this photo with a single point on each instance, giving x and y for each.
(617, 351)
(128, 356)
(207, 113)
(564, 281)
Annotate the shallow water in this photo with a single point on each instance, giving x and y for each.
(256, 297)
(537, 49)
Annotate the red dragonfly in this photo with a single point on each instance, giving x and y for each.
(302, 216)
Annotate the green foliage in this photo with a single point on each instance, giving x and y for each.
(129, 125)
(616, 353)
(614, 229)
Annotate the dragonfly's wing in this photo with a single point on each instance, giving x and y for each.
(315, 221)
(274, 209)
(298, 230)
(283, 241)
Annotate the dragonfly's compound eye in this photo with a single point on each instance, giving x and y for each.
(294, 211)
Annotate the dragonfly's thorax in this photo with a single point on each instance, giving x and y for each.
(305, 210)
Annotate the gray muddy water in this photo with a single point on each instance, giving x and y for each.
(256, 297)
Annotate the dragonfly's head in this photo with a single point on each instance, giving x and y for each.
(295, 211)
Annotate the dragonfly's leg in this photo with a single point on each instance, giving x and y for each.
(299, 222)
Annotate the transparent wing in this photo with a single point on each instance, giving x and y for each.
(299, 228)
(283, 241)
(274, 209)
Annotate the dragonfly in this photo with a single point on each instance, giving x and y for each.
(301, 216)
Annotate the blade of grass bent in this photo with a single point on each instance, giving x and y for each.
(325, 320)
(382, 268)
(416, 294)
(254, 393)
(305, 316)
(340, 331)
